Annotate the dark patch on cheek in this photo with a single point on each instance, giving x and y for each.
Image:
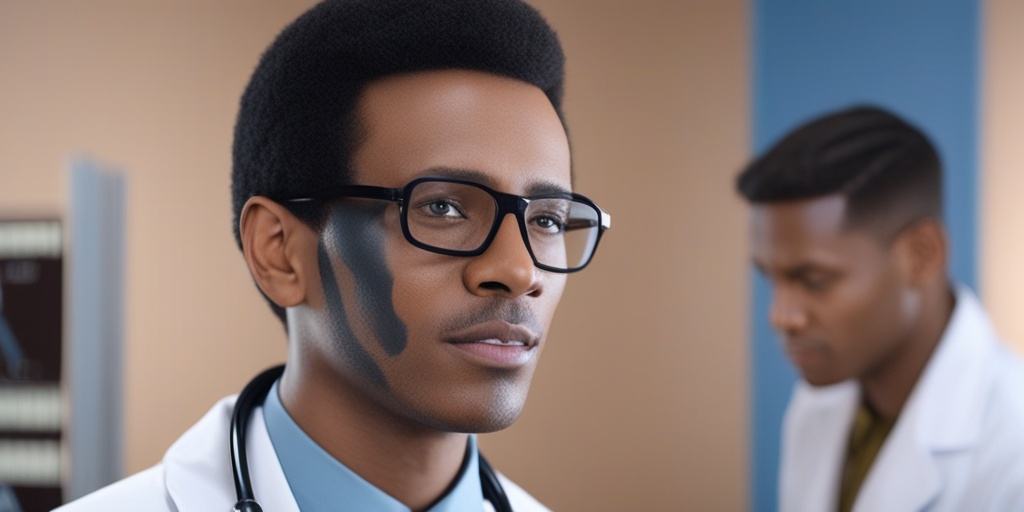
(344, 338)
(359, 239)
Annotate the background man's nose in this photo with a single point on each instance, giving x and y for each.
(787, 314)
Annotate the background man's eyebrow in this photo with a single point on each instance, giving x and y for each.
(804, 269)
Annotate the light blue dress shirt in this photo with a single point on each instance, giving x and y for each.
(322, 484)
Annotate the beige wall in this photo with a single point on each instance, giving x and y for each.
(640, 402)
(1002, 164)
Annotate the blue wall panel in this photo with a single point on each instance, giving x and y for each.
(919, 58)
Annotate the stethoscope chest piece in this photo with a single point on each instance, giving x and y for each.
(247, 506)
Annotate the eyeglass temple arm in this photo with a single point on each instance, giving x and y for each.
(360, 191)
(574, 224)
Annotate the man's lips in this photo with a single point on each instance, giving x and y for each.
(803, 351)
(496, 343)
(797, 346)
(496, 332)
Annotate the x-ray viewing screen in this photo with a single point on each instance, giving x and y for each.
(31, 286)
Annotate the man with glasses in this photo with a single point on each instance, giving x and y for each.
(908, 402)
(403, 199)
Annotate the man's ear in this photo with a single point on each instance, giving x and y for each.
(279, 249)
(926, 250)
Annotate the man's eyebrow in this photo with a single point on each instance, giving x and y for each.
(457, 172)
(804, 269)
(795, 271)
(538, 188)
(545, 188)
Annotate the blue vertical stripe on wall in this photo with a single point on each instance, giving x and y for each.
(919, 58)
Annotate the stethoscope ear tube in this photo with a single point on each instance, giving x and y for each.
(492, 488)
(251, 397)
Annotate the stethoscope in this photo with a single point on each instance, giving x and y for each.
(254, 394)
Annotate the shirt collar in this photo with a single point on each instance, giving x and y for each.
(320, 483)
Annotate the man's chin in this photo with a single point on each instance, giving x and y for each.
(481, 420)
(481, 414)
(821, 380)
(817, 370)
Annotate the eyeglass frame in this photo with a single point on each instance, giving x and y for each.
(506, 204)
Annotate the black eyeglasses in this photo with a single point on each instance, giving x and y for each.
(460, 218)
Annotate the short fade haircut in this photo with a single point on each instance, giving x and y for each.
(888, 171)
(298, 122)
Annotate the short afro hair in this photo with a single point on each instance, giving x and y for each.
(888, 171)
(297, 123)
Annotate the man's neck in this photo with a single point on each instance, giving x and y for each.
(887, 387)
(411, 463)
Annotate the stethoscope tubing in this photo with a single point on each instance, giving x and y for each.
(251, 397)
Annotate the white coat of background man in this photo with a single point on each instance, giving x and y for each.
(403, 198)
(908, 401)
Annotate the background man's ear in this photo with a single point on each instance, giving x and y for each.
(927, 250)
(277, 247)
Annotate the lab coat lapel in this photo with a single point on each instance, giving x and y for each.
(942, 416)
(903, 479)
(814, 451)
(198, 466)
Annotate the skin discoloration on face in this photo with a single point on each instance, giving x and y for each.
(346, 342)
(841, 302)
(357, 237)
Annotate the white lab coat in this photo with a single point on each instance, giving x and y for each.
(958, 444)
(195, 475)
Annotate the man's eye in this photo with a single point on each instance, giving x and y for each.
(548, 223)
(816, 283)
(442, 208)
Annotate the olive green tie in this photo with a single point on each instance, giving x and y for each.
(866, 439)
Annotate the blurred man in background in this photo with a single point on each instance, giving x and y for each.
(907, 402)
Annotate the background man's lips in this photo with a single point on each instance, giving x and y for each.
(802, 344)
(801, 347)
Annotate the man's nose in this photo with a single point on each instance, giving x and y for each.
(506, 267)
(787, 314)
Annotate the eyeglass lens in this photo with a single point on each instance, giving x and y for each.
(459, 217)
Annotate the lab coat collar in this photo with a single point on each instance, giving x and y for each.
(951, 381)
(954, 379)
(197, 481)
